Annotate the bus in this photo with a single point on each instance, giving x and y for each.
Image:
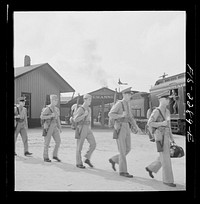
(176, 84)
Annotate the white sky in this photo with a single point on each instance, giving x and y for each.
(94, 49)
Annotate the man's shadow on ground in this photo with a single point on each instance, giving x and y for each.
(153, 183)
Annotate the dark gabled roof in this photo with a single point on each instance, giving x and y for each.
(101, 90)
(64, 86)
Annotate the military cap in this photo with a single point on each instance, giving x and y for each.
(53, 97)
(22, 98)
(86, 96)
(165, 94)
(128, 90)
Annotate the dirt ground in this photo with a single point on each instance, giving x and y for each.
(33, 174)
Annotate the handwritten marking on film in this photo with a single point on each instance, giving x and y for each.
(190, 104)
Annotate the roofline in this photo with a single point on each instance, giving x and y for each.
(169, 77)
(100, 89)
(73, 90)
(169, 85)
(39, 65)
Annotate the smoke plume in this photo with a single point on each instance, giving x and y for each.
(92, 63)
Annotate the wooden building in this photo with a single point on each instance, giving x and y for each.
(100, 98)
(37, 82)
(102, 101)
(140, 104)
(65, 110)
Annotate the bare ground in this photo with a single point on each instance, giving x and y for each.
(33, 174)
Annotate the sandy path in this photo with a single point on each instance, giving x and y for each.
(32, 174)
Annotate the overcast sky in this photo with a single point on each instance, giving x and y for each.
(94, 49)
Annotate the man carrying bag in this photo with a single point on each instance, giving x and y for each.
(163, 136)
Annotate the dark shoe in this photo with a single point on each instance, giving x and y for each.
(152, 140)
(56, 158)
(27, 153)
(47, 160)
(170, 184)
(126, 174)
(113, 164)
(150, 172)
(87, 161)
(80, 166)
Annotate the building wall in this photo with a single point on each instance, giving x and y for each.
(138, 104)
(146, 105)
(141, 102)
(39, 84)
(64, 111)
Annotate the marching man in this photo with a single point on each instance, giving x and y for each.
(52, 112)
(21, 124)
(124, 123)
(83, 118)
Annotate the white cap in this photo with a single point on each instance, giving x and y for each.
(87, 96)
(127, 90)
(53, 96)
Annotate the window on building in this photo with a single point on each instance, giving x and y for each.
(184, 94)
(136, 112)
(47, 102)
(174, 101)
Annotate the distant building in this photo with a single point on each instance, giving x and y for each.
(64, 110)
(140, 104)
(102, 101)
(36, 83)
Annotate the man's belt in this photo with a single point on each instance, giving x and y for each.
(19, 120)
(123, 120)
(53, 120)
